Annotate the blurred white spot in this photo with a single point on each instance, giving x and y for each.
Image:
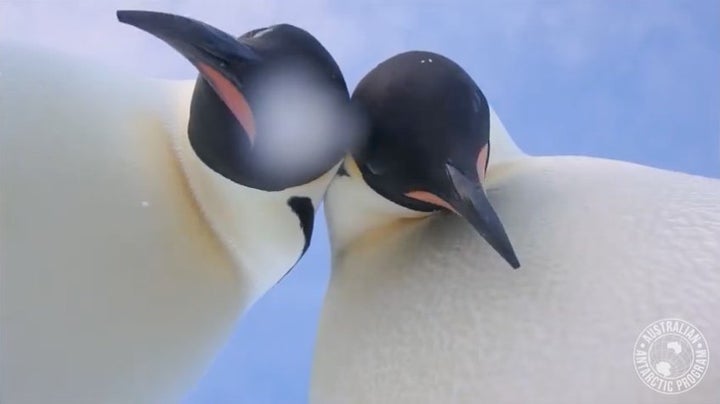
(145, 204)
(263, 32)
(422, 60)
(430, 60)
(300, 121)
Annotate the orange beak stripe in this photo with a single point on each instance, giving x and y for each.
(433, 199)
(233, 99)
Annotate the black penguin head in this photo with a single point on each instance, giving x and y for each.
(428, 140)
(270, 108)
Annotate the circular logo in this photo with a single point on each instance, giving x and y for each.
(671, 356)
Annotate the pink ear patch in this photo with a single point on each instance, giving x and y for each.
(481, 163)
(430, 198)
(232, 98)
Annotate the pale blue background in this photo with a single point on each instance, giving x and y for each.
(637, 81)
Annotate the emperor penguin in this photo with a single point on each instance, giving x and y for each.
(140, 218)
(428, 214)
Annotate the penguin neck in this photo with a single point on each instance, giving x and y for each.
(353, 209)
(258, 229)
(502, 146)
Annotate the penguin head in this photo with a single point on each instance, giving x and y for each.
(270, 108)
(427, 143)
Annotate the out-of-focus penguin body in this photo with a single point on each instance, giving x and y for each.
(127, 254)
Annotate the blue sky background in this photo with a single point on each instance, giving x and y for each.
(636, 81)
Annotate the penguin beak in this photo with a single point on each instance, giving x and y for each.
(216, 54)
(468, 199)
(197, 41)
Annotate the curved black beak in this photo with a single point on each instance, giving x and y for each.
(469, 201)
(218, 56)
(200, 43)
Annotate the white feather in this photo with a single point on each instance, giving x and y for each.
(125, 261)
(424, 311)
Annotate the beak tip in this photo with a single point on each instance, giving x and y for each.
(508, 254)
(142, 18)
(123, 15)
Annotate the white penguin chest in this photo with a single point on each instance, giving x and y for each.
(430, 314)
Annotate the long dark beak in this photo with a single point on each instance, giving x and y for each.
(200, 43)
(217, 55)
(469, 201)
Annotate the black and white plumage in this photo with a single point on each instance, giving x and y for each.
(140, 218)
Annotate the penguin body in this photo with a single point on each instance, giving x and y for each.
(127, 257)
(423, 310)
